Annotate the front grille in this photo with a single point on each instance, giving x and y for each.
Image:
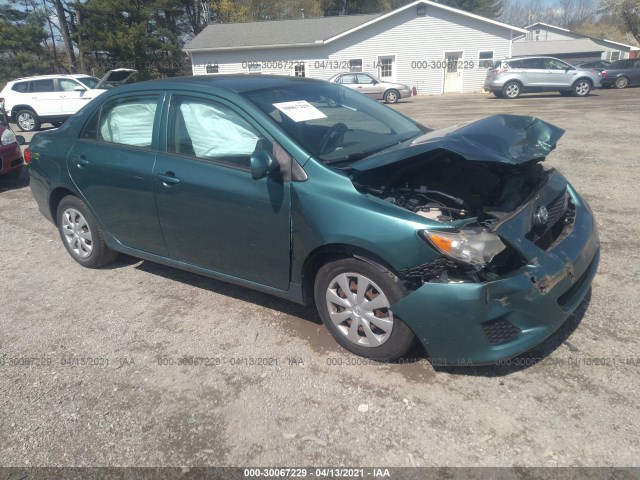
(561, 214)
(500, 331)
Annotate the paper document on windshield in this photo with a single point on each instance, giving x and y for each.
(300, 110)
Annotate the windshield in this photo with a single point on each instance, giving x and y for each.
(333, 123)
(90, 82)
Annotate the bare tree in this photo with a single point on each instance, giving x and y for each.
(628, 11)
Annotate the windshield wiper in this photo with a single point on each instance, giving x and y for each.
(352, 157)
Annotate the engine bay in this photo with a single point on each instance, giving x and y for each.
(449, 188)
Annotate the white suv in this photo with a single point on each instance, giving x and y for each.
(31, 101)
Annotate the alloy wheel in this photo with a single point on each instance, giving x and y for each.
(26, 121)
(582, 88)
(512, 90)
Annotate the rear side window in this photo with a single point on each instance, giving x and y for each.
(20, 87)
(41, 86)
(128, 121)
(512, 64)
(534, 63)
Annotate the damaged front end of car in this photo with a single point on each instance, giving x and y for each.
(516, 246)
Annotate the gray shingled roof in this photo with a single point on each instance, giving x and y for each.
(555, 47)
(279, 32)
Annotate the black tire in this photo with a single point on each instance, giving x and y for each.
(581, 88)
(98, 254)
(511, 90)
(498, 94)
(397, 341)
(621, 82)
(27, 121)
(391, 96)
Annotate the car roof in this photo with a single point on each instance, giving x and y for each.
(44, 77)
(237, 83)
(533, 56)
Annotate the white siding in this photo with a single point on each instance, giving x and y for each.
(409, 37)
(548, 34)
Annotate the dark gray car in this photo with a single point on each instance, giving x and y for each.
(511, 77)
(622, 73)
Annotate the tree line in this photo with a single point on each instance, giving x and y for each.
(93, 36)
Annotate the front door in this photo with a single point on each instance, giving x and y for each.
(387, 68)
(72, 99)
(453, 72)
(213, 214)
(112, 166)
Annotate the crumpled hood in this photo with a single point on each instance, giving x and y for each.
(510, 139)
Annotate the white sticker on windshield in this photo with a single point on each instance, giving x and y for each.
(300, 110)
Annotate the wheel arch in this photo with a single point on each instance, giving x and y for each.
(16, 108)
(331, 252)
(582, 78)
(55, 197)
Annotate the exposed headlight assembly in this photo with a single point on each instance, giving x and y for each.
(8, 137)
(474, 246)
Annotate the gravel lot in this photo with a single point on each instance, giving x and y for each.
(319, 405)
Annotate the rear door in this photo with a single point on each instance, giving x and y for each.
(44, 98)
(112, 166)
(213, 214)
(532, 73)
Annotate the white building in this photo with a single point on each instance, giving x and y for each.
(549, 40)
(424, 44)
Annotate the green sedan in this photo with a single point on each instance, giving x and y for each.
(460, 239)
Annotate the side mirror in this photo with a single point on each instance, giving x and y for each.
(262, 165)
(20, 139)
(79, 89)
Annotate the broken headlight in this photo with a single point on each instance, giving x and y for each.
(474, 246)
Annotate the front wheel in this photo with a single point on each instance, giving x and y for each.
(621, 82)
(27, 121)
(81, 234)
(392, 96)
(581, 88)
(354, 299)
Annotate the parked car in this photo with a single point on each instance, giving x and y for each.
(511, 77)
(11, 161)
(459, 238)
(598, 65)
(622, 73)
(31, 101)
(371, 86)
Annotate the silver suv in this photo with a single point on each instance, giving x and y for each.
(513, 76)
(31, 101)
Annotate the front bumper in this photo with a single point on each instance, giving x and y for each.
(457, 323)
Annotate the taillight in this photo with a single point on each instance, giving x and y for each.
(603, 73)
(27, 155)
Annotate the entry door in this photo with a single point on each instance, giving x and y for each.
(213, 214)
(387, 68)
(452, 72)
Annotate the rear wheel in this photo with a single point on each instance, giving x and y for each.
(581, 88)
(622, 82)
(27, 121)
(511, 90)
(81, 234)
(353, 298)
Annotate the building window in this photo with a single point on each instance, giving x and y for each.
(213, 68)
(299, 70)
(355, 65)
(385, 67)
(485, 58)
(615, 56)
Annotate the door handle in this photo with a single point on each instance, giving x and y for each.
(80, 160)
(169, 179)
